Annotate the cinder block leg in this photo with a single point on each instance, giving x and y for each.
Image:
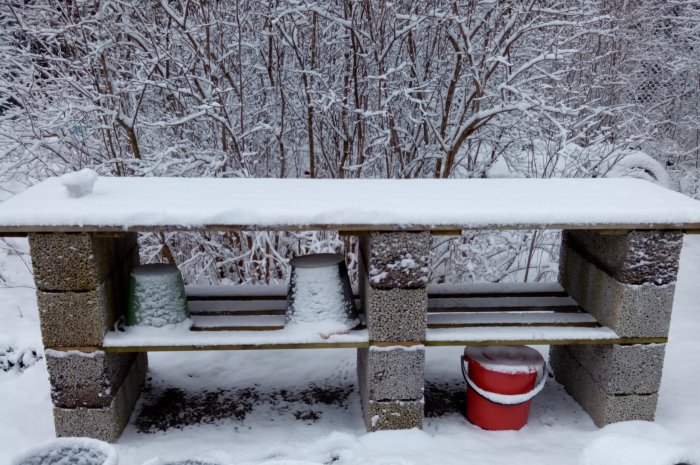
(590, 392)
(92, 380)
(104, 423)
(393, 288)
(397, 414)
(391, 386)
(393, 285)
(81, 283)
(627, 281)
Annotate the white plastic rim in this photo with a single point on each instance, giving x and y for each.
(111, 457)
(508, 399)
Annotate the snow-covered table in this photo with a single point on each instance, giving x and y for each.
(143, 204)
(621, 243)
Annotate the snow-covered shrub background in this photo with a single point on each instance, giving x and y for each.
(344, 89)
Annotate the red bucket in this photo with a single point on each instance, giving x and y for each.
(502, 380)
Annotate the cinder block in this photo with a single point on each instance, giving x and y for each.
(604, 408)
(107, 423)
(629, 310)
(79, 319)
(637, 257)
(396, 315)
(618, 369)
(396, 260)
(76, 261)
(395, 373)
(86, 379)
(393, 415)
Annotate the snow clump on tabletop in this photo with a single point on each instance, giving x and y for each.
(79, 183)
(156, 296)
(70, 451)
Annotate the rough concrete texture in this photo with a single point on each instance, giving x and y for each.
(79, 319)
(393, 415)
(395, 315)
(76, 319)
(637, 257)
(76, 261)
(391, 374)
(628, 369)
(603, 408)
(396, 260)
(629, 310)
(107, 423)
(86, 379)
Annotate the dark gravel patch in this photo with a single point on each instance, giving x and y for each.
(166, 408)
(444, 398)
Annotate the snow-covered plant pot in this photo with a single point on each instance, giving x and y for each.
(69, 451)
(156, 296)
(79, 183)
(320, 292)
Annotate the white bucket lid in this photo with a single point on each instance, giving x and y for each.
(506, 359)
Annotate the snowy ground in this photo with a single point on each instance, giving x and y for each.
(302, 407)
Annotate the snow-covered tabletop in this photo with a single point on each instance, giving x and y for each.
(288, 204)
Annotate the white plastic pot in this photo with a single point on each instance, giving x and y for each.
(68, 451)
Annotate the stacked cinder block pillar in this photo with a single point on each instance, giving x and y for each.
(393, 287)
(81, 281)
(626, 280)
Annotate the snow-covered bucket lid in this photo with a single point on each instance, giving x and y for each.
(69, 451)
(506, 359)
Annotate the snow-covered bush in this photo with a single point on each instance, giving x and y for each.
(341, 89)
(18, 360)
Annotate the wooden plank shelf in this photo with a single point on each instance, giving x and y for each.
(252, 318)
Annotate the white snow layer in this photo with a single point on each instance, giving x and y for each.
(288, 203)
(636, 443)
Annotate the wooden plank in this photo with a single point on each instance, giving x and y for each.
(496, 295)
(185, 348)
(238, 312)
(12, 231)
(577, 324)
(354, 345)
(431, 295)
(542, 308)
(547, 342)
(236, 328)
(236, 322)
(9, 235)
(224, 298)
(495, 309)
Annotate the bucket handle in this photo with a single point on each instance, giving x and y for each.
(504, 399)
